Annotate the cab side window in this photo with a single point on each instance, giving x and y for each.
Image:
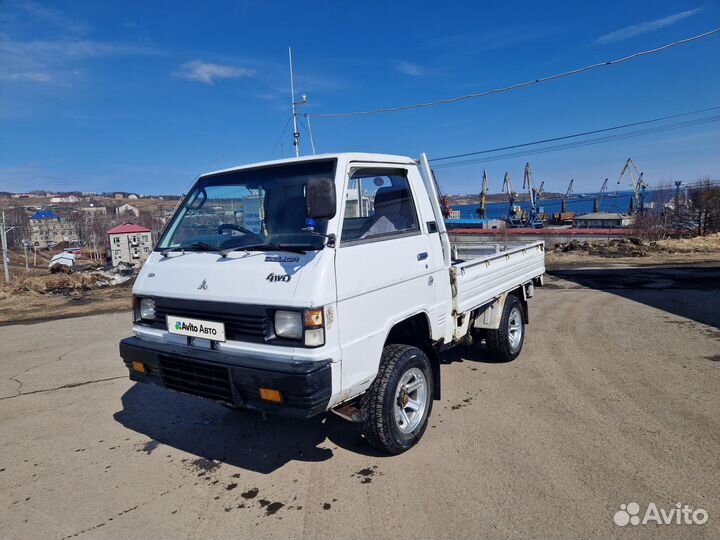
(378, 205)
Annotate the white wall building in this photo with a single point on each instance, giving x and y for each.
(48, 229)
(130, 244)
(65, 199)
(127, 208)
(602, 220)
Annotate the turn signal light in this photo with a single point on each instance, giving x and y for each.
(139, 367)
(313, 318)
(268, 394)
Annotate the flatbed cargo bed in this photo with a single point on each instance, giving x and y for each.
(482, 271)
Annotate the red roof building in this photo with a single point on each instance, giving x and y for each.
(130, 244)
(126, 228)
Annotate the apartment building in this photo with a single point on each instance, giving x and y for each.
(47, 229)
(130, 244)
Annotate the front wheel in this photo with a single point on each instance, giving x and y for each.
(505, 343)
(397, 405)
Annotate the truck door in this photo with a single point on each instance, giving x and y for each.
(383, 267)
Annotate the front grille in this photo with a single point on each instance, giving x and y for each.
(204, 380)
(242, 323)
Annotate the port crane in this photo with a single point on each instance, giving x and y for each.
(568, 194)
(638, 186)
(512, 219)
(601, 194)
(442, 198)
(533, 219)
(538, 194)
(482, 211)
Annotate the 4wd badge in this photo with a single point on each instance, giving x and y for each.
(274, 278)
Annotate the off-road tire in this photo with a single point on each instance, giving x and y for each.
(498, 341)
(379, 426)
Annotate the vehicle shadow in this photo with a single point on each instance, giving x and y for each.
(692, 291)
(475, 352)
(240, 438)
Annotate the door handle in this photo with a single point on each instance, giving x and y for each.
(422, 256)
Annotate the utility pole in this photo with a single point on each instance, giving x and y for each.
(3, 236)
(676, 209)
(26, 258)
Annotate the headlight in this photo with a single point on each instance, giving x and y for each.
(289, 324)
(147, 308)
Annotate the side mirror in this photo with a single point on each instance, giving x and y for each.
(198, 200)
(320, 198)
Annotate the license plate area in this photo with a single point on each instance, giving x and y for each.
(196, 328)
(201, 343)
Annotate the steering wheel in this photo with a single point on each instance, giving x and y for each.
(233, 227)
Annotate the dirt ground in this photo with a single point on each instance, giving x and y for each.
(613, 400)
(635, 252)
(580, 258)
(33, 307)
(35, 294)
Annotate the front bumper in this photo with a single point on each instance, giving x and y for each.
(305, 386)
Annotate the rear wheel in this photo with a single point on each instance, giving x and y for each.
(505, 343)
(397, 405)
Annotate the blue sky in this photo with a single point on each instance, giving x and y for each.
(144, 96)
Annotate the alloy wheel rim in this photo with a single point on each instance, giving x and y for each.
(410, 400)
(515, 328)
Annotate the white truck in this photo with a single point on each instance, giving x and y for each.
(323, 283)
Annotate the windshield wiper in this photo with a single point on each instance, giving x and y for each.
(266, 246)
(193, 246)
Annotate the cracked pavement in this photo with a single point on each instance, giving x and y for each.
(613, 400)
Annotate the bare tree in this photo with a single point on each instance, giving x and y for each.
(18, 219)
(649, 226)
(706, 207)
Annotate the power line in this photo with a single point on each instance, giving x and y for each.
(523, 84)
(564, 137)
(577, 144)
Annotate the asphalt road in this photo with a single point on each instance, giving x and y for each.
(614, 400)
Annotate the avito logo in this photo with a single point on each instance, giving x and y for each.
(629, 514)
(198, 329)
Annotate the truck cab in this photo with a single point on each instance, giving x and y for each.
(320, 283)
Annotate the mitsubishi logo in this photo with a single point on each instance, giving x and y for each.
(203, 285)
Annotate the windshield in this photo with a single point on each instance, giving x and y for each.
(254, 208)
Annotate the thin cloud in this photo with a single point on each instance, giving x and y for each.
(30, 16)
(55, 18)
(409, 68)
(31, 76)
(45, 61)
(206, 73)
(58, 58)
(646, 27)
(488, 40)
